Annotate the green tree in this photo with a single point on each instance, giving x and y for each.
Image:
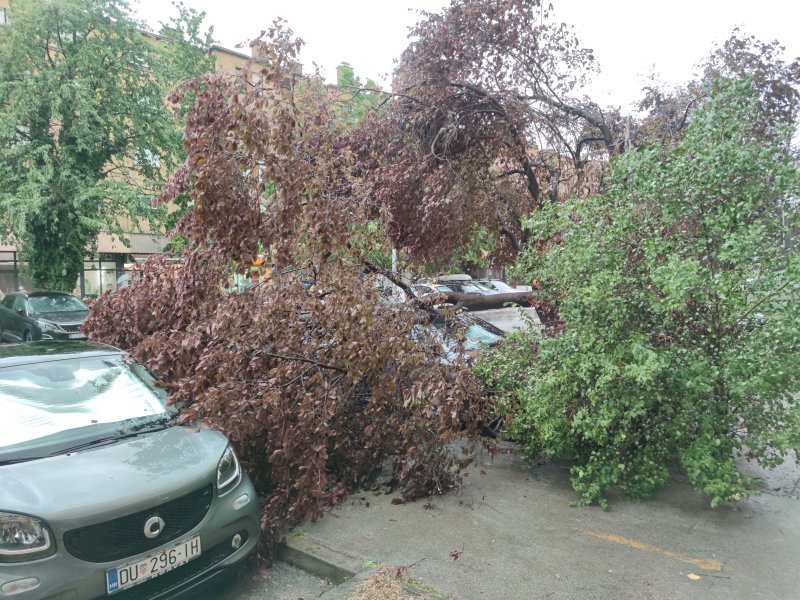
(680, 309)
(86, 134)
(356, 98)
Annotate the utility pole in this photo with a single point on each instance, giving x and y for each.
(628, 133)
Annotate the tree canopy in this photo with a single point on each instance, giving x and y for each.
(355, 96)
(85, 132)
(490, 120)
(487, 123)
(668, 112)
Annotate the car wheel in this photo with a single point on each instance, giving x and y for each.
(27, 337)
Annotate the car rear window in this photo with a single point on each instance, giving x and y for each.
(53, 400)
(478, 334)
(475, 335)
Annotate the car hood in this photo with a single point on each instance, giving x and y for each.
(66, 318)
(114, 480)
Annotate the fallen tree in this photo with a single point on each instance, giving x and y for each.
(679, 334)
(480, 302)
(316, 383)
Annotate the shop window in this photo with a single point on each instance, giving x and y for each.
(99, 276)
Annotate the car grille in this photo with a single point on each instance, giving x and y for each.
(71, 328)
(123, 537)
(167, 584)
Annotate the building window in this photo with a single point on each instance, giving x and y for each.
(3, 16)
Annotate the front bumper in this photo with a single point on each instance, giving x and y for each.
(64, 577)
(63, 335)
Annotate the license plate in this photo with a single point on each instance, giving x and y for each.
(77, 336)
(131, 574)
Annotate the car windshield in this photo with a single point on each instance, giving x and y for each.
(443, 288)
(471, 288)
(52, 405)
(55, 303)
(501, 286)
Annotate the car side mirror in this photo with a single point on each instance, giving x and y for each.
(21, 311)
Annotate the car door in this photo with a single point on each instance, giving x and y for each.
(11, 319)
(19, 317)
(5, 315)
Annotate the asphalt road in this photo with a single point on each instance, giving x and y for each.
(255, 582)
(511, 533)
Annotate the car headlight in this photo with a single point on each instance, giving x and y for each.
(228, 471)
(47, 326)
(23, 538)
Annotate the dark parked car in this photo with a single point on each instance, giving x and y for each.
(101, 492)
(42, 316)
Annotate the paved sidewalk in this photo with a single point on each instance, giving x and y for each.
(510, 533)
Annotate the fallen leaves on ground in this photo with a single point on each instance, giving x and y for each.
(386, 583)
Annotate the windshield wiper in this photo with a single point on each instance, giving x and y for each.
(109, 439)
(12, 461)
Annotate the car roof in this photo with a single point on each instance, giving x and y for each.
(38, 294)
(46, 293)
(36, 352)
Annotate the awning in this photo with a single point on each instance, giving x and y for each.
(140, 243)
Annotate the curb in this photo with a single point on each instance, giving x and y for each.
(321, 560)
(346, 590)
(344, 570)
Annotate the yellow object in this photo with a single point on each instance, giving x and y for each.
(706, 565)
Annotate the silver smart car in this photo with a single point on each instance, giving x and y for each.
(101, 493)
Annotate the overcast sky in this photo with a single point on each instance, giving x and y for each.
(631, 38)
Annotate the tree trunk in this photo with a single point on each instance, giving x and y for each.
(56, 251)
(479, 302)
